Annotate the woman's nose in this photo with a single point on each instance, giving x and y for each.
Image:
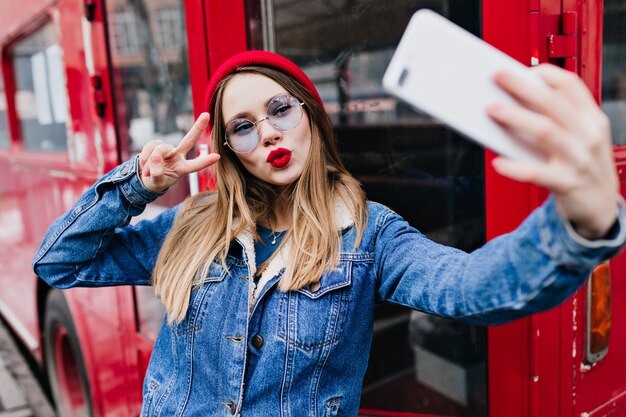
(268, 133)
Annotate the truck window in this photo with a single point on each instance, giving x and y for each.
(150, 73)
(41, 90)
(406, 160)
(614, 68)
(4, 128)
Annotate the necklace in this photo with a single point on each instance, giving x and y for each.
(276, 236)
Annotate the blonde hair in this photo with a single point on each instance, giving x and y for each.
(208, 222)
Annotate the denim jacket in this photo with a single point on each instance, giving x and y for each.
(257, 351)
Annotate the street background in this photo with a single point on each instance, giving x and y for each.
(20, 392)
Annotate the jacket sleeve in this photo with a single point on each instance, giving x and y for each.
(531, 269)
(93, 245)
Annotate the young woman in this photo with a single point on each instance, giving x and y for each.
(270, 282)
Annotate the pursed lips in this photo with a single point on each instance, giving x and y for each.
(279, 157)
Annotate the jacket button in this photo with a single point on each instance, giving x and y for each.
(257, 341)
(126, 169)
(232, 407)
(314, 287)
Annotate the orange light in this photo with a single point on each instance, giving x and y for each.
(599, 313)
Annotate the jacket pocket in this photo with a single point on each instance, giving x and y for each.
(314, 317)
(201, 295)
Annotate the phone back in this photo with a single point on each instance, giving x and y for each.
(448, 73)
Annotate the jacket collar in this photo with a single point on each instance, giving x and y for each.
(343, 220)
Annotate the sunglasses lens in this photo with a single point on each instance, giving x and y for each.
(241, 135)
(284, 112)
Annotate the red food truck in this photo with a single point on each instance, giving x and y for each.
(85, 83)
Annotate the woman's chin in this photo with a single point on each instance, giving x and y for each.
(283, 177)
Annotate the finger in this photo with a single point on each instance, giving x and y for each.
(542, 99)
(577, 148)
(156, 165)
(194, 133)
(545, 175)
(164, 150)
(147, 151)
(568, 82)
(517, 170)
(199, 163)
(532, 129)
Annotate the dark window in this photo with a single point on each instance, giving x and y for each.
(614, 68)
(41, 91)
(406, 160)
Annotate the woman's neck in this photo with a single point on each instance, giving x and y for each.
(278, 222)
(280, 217)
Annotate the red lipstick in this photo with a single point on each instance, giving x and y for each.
(279, 158)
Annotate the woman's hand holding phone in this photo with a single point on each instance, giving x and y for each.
(567, 126)
(547, 124)
(161, 165)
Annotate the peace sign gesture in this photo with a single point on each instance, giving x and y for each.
(161, 165)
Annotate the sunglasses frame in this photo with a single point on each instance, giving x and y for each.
(255, 124)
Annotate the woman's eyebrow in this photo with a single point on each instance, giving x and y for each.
(244, 114)
(240, 115)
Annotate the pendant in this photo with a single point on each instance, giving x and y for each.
(274, 240)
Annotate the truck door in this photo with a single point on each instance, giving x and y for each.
(540, 366)
(599, 386)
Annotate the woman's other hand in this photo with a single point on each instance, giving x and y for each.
(161, 165)
(564, 122)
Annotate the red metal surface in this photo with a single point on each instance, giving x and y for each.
(599, 389)
(226, 31)
(132, 371)
(524, 376)
(17, 16)
(615, 404)
(507, 203)
(564, 44)
(19, 191)
(546, 344)
(195, 22)
(590, 15)
(536, 365)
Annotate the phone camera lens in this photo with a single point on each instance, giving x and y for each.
(403, 76)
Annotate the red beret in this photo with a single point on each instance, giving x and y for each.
(260, 59)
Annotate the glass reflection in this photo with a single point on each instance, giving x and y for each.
(152, 90)
(4, 128)
(406, 160)
(41, 93)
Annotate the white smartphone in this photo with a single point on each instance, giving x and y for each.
(445, 71)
